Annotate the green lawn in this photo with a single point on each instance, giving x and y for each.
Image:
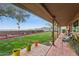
(6, 46)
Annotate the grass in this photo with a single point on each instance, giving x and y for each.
(6, 46)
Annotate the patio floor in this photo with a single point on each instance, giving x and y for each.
(36, 51)
(61, 49)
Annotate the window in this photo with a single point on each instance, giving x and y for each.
(75, 27)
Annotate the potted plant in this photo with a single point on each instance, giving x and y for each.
(36, 43)
(16, 52)
(28, 48)
(63, 31)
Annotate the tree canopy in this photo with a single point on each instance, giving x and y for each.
(14, 12)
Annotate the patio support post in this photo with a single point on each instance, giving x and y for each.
(57, 30)
(70, 28)
(53, 33)
(78, 25)
(53, 18)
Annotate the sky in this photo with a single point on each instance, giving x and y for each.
(32, 22)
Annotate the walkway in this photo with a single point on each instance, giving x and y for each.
(61, 48)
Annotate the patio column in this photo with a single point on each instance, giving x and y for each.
(53, 32)
(69, 28)
(58, 30)
(52, 20)
(78, 25)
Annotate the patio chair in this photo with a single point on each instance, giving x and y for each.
(67, 37)
(75, 37)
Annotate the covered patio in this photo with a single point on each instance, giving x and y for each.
(61, 13)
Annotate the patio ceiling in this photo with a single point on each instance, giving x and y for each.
(64, 12)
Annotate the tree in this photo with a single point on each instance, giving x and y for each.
(21, 17)
(15, 13)
(50, 26)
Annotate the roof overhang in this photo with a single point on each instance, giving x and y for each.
(35, 9)
(65, 13)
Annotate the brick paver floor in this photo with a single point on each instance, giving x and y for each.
(61, 48)
(35, 51)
